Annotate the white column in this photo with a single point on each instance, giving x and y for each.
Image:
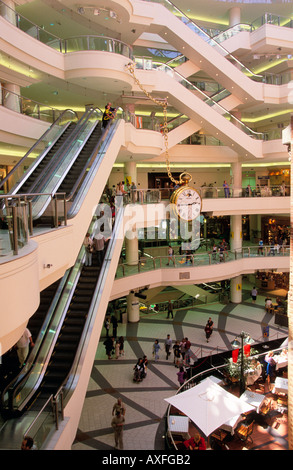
(234, 16)
(235, 232)
(8, 11)
(11, 100)
(132, 308)
(237, 179)
(131, 248)
(130, 172)
(236, 290)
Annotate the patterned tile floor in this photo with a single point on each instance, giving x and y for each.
(145, 405)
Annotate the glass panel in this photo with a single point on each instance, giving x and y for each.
(37, 152)
(13, 211)
(51, 182)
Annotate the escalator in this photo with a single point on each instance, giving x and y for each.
(60, 359)
(46, 296)
(81, 162)
(30, 183)
(69, 337)
(9, 361)
(65, 155)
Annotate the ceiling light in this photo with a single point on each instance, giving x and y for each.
(96, 12)
(80, 11)
(113, 14)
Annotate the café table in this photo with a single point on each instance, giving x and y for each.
(253, 398)
(281, 385)
(179, 424)
(280, 361)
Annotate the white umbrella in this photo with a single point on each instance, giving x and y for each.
(208, 405)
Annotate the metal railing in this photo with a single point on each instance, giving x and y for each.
(145, 196)
(28, 107)
(47, 421)
(78, 43)
(195, 379)
(17, 220)
(150, 263)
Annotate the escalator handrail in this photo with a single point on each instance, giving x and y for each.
(70, 381)
(16, 390)
(209, 98)
(59, 155)
(95, 160)
(22, 160)
(32, 358)
(69, 282)
(204, 33)
(44, 180)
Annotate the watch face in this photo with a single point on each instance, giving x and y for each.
(188, 204)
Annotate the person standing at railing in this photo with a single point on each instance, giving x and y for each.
(214, 252)
(108, 115)
(260, 247)
(133, 192)
(248, 191)
(283, 189)
(226, 189)
(170, 255)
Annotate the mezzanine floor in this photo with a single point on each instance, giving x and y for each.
(145, 406)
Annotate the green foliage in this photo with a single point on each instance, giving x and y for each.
(233, 369)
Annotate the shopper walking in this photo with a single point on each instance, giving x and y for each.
(156, 350)
(181, 376)
(208, 332)
(176, 352)
(170, 309)
(253, 295)
(117, 424)
(23, 345)
(168, 345)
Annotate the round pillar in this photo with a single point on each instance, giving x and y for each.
(130, 173)
(12, 100)
(131, 248)
(234, 16)
(235, 232)
(7, 10)
(132, 308)
(237, 179)
(236, 290)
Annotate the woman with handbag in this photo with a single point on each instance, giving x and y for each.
(88, 244)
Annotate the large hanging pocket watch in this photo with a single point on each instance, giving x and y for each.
(187, 202)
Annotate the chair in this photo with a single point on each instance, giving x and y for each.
(265, 412)
(244, 431)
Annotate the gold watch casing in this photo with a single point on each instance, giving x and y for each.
(186, 202)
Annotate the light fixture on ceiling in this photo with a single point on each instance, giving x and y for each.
(81, 11)
(97, 12)
(113, 14)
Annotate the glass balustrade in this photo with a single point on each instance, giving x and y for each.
(149, 263)
(29, 107)
(16, 221)
(16, 227)
(38, 151)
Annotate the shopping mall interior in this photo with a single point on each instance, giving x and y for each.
(112, 115)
